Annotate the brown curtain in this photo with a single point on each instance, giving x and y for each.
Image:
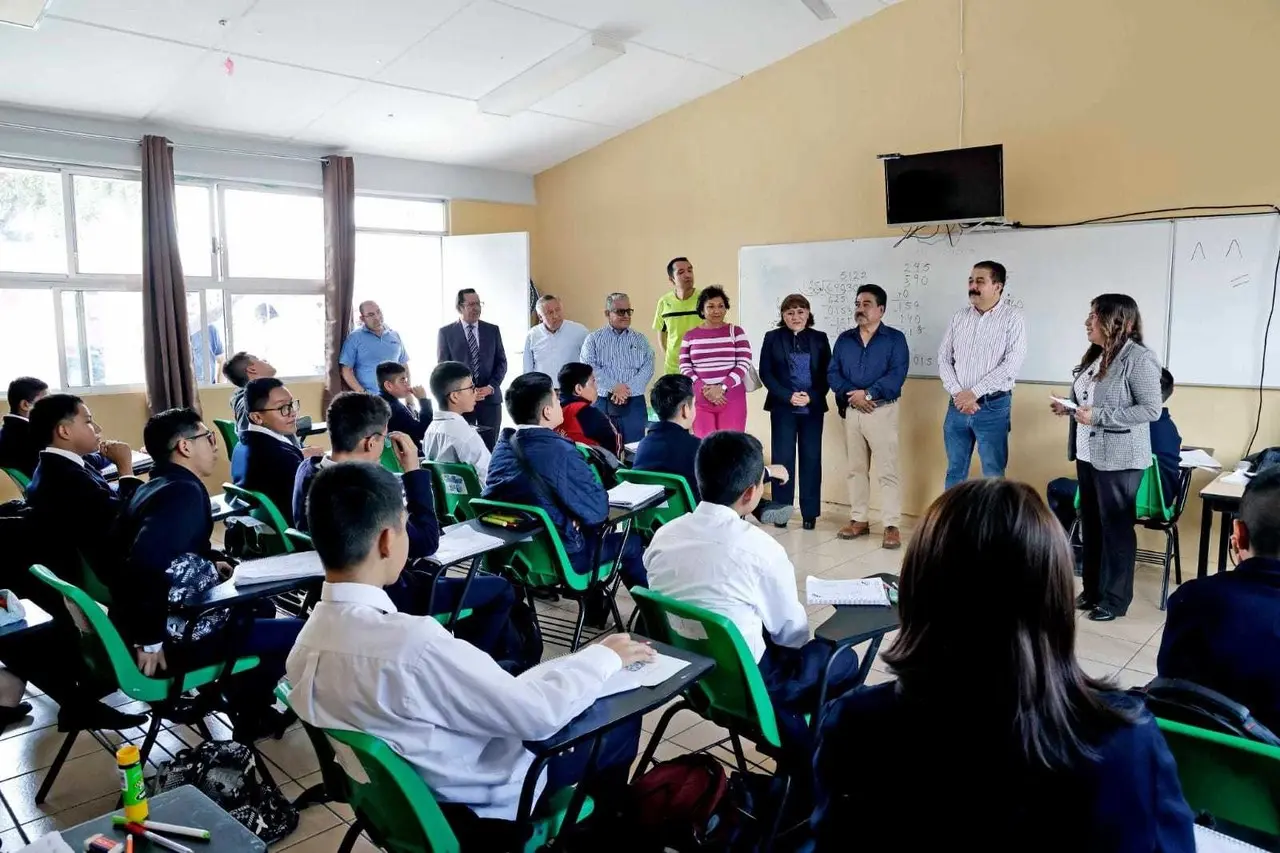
(166, 340)
(339, 264)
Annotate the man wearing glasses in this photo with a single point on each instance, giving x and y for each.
(366, 347)
(623, 363)
(478, 345)
(266, 459)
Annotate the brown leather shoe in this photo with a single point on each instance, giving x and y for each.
(854, 529)
(892, 539)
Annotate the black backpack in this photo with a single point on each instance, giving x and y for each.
(227, 773)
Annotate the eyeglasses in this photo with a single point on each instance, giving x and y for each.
(624, 312)
(470, 387)
(207, 435)
(287, 409)
(473, 305)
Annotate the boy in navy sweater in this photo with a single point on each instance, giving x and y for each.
(394, 387)
(266, 459)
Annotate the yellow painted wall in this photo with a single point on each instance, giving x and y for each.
(1103, 106)
(122, 417)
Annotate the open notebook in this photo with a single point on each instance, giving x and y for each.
(628, 495)
(629, 678)
(1212, 841)
(300, 564)
(864, 591)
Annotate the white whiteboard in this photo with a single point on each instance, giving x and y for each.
(497, 266)
(1223, 278)
(1053, 274)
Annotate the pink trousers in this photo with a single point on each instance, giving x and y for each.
(732, 415)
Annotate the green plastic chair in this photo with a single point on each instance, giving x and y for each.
(92, 584)
(389, 459)
(230, 436)
(732, 695)
(542, 563)
(456, 485)
(1234, 779)
(679, 499)
(586, 455)
(262, 509)
(391, 801)
(112, 662)
(20, 479)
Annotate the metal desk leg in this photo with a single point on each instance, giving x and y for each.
(466, 587)
(864, 669)
(1206, 527)
(579, 792)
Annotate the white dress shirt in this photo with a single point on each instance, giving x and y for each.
(278, 436)
(450, 438)
(546, 351)
(66, 454)
(442, 704)
(983, 352)
(715, 560)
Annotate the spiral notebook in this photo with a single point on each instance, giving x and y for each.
(869, 592)
(1212, 841)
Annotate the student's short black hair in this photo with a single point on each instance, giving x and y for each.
(573, 374)
(348, 505)
(728, 463)
(709, 293)
(1166, 385)
(50, 411)
(163, 431)
(446, 378)
(462, 296)
(354, 416)
(257, 392)
(1260, 513)
(671, 266)
(387, 371)
(669, 393)
(236, 369)
(995, 268)
(877, 293)
(25, 389)
(528, 395)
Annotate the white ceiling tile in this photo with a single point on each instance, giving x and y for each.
(69, 66)
(479, 49)
(634, 88)
(192, 21)
(259, 98)
(343, 36)
(530, 142)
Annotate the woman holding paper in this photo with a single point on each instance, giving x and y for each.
(1114, 399)
(1052, 755)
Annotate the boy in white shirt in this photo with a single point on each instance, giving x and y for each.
(715, 559)
(442, 704)
(450, 438)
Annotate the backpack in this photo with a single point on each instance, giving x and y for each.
(247, 538)
(676, 801)
(226, 772)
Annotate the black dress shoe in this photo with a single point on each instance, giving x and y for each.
(1101, 614)
(97, 717)
(810, 523)
(1083, 603)
(782, 525)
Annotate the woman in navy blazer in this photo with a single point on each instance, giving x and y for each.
(1020, 751)
(793, 368)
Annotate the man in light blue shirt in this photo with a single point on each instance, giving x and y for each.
(366, 347)
(554, 342)
(623, 362)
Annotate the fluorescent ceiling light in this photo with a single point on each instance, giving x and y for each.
(820, 9)
(551, 75)
(22, 13)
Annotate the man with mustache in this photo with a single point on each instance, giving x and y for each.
(978, 361)
(868, 366)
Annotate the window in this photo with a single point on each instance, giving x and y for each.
(398, 214)
(285, 329)
(194, 207)
(208, 330)
(108, 225)
(273, 235)
(28, 344)
(32, 226)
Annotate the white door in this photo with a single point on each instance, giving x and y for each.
(497, 266)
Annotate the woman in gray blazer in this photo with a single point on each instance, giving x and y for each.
(1117, 391)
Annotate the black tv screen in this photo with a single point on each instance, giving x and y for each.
(960, 185)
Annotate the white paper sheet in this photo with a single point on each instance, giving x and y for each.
(300, 564)
(860, 591)
(627, 495)
(461, 542)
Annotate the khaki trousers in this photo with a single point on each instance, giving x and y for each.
(868, 436)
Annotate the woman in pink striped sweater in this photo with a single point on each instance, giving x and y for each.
(716, 356)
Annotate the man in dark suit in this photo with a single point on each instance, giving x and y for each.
(168, 518)
(1221, 631)
(394, 387)
(479, 346)
(266, 459)
(17, 449)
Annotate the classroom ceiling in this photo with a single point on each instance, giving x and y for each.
(396, 77)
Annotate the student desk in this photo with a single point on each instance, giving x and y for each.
(851, 625)
(1223, 498)
(142, 464)
(316, 428)
(603, 715)
(184, 806)
(506, 538)
(35, 618)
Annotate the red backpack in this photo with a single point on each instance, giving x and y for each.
(676, 801)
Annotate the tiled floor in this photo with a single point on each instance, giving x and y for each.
(1124, 650)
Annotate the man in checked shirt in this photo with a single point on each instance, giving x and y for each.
(978, 363)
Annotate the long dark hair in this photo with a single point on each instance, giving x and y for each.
(1001, 535)
(1117, 315)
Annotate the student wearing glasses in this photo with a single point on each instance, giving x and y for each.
(167, 521)
(450, 438)
(623, 363)
(266, 459)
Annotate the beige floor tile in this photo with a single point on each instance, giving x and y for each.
(76, 815)
(1138, 626)
(44, 713)
(665, 752)
(311, 822)
(1098, 669)
(873, 562)
(81, 780)
(1108, 650)
(700, 736)
(342, 810)
(682, 721)
(878, 676)
(325, 842)
(848, 549)
(293, 753)
(1145, 659)
(1130, 678)
(11, 840)
(35, 750)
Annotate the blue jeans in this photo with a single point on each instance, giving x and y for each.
(989, 427)
(629, 420)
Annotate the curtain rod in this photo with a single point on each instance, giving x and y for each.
(107, 138)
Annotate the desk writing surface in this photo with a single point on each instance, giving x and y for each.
(184, 806)
(505, 538)
(618, 514)
(35, 617)
(1219, 489)
(855, 624)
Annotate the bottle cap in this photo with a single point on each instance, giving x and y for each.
(128, 754)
